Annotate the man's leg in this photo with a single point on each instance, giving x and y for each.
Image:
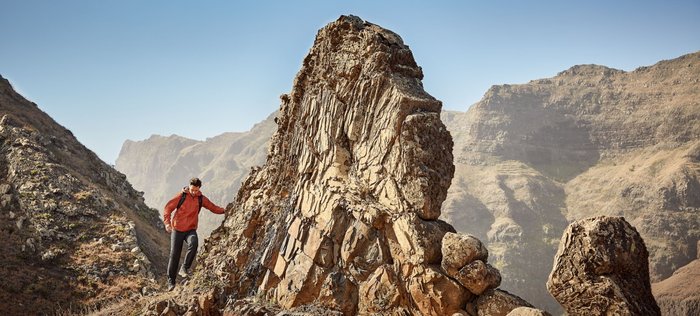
(176, 239)
(192, 244)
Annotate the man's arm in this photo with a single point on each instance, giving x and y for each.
(168, 210)
(211, 206)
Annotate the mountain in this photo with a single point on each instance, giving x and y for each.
(591, 141)
(160, 166)
(76, 235)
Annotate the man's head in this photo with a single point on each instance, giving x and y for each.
(195, 184)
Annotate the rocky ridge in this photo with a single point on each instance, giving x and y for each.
(160, 166)
(75, 234)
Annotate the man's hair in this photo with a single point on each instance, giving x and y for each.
(196, 182)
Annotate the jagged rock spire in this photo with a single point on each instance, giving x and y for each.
(344, 212)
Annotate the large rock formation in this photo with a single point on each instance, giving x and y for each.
(531, 158)
(344, 213)
(74, 233)
(601, 268)
(160, 166)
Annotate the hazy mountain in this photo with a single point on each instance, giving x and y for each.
(74, 232)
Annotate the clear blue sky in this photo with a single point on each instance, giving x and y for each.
(116, 70)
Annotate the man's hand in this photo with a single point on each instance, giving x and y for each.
(168, 228)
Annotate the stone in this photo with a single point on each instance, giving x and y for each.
(5, 188)
(434, 293)
(478, 277)
(602, 267)
(381, 292)
(459, 250)
(528, 311)
(339, 293)
(30, 244)
(419, 238)
(498, 303)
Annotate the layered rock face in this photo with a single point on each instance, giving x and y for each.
(74, 233)
(590, 141)
(160, 166)
(601, 269)
(344, 213)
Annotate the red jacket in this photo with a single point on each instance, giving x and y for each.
(187, 216)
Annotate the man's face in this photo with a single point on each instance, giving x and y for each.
(194, 189)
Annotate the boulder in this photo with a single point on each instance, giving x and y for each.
(528, 311)
(602, 267)
(498, 303)
(459, 250)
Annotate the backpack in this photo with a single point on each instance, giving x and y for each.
(182, 200)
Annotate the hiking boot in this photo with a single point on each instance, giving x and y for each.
(171, 287)
(184, 273)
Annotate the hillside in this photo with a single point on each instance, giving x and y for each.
(680, 293)
(75, 234)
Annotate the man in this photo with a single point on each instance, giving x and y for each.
(183, 227)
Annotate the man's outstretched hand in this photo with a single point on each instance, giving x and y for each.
(168, 228)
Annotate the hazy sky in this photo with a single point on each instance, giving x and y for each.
(116, 70)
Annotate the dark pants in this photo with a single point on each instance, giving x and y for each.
(176, 239)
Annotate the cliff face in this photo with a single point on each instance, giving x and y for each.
(591, 141)
(74, 232)
(160, 166)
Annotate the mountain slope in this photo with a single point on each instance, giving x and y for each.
(74, 232)
(680, 294)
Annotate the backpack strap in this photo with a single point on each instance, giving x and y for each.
(182, 200)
